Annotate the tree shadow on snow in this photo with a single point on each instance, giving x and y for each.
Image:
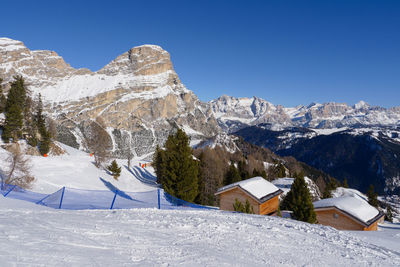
(114, 189)
(143, 175)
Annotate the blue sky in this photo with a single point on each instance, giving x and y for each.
(287, 52)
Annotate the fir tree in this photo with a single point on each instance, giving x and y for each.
(232, 175)
(372, 196)
(176, 169)
(14, 108)
(329, 187)
(45, 137)
(279, 171)
(44, 145)
(244, 174)
(246, 208)
(114, 169)
(298, 200)
(13, 124)
(159, 165)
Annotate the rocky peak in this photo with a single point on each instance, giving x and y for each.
(40, 68)
(138, 96)
(141, 60)
(361, 105)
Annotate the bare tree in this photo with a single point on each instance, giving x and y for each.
(130, 156)
(19, 169)
(98, 142)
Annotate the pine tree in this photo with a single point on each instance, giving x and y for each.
(14, 108)
(244, 174)
(44, 145)
(345, 184)
(232, 175)
(329, 188)
(13, 124)
(45, 137)
(114, 169)
(298, 200)
(159, 164)
(372, 196)
(279, 171)
(176, 169)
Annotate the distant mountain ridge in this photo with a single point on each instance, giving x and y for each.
(235, 113)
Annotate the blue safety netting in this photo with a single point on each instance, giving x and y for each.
(78, 199)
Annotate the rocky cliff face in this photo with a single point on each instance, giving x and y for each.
(138, 96)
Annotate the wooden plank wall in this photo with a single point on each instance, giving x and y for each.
(342, 221)
(227, 199)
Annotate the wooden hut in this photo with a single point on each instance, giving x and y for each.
(348, 213)
(262, 195)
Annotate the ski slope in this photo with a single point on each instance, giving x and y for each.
(76, 169)
(33, 235)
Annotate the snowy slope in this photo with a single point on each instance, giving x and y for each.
(75, 169)
(150, 237)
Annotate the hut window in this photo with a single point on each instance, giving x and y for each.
(335, 215)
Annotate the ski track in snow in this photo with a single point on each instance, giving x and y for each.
(35, 235)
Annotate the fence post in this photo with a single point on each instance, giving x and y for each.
(10, 190)
(115, 196)
(158, 193)
(62, 196)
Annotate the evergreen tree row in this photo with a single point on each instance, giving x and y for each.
(20, 119)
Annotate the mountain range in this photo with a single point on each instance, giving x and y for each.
(140, 100)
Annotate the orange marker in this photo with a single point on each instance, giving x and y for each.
(45, 155)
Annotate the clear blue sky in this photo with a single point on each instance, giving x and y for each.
(287, 52)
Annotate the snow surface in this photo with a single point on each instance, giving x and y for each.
(77, 87)
(355, 206)
(257, 186)
(76, 169)
(151, 237)
(348, 192)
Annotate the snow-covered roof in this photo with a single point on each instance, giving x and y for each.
(258, 187)
(355, 206)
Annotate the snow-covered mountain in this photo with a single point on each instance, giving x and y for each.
(235, 113)
(138, 96)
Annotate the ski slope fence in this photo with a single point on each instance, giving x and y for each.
(79, 199)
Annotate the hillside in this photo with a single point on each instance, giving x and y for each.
(362, 155)
(76, 169)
